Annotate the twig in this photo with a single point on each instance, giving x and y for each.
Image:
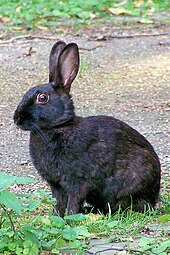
(30, 52)
(137, 35)
(93, 48)
(31, 37)
(164, 43)
(106, 37)
(28, 37)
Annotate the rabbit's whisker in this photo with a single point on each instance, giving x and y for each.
(40, 132)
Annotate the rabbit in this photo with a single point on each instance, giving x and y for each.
(97, 159)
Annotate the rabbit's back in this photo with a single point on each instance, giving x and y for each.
(101, 154)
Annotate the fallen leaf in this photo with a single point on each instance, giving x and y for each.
(151, 11)
(131, 239)
(121, 3)
(138, 3)
(150, 2)
(5, 19)
(142, 2)
(41, 27)
(146, 21)
(18, 28)
(95, 236)
(118, 11)
(18, 9)
(92, 16)
(93, 217)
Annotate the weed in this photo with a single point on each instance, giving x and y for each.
(32, 14)
(28, 227)
(83, 66)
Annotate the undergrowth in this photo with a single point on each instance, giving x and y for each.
(28, 227)
(31, 14)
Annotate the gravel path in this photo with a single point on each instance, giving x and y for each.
(126, 78)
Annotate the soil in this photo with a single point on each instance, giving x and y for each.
(128, 78)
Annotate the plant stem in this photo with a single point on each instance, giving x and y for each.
(9, 216)
(1, 222)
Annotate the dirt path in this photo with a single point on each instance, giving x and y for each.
(127, 78)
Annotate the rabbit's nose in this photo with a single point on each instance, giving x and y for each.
(17, 118)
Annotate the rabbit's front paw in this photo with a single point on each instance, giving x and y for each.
(73, 204)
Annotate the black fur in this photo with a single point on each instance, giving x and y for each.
(98, 159)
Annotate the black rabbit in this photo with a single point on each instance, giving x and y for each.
(98, 159)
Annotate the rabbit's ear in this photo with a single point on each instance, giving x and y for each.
(53, 60)
(68, 65)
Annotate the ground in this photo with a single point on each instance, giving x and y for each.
(128, 78)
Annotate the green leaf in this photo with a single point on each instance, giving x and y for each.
(7, 180)
(49, 201)
(145, 241)
(57, 13)
(61, 242)
(41, 193)
(10, 233)
(69, 234)
(79, 252)
(75, 217)
(44, 220)
(54, 231)
(58, 222)
(12, 246)
(34, 250)
(9, 199)
(55, 251)
(162, 247)
(32, 204)
(26, 251)
(81, 232)
(3, 245)
(84, 14)
(30, 237)
(24, 180)
(164, 218)
(75, 244)
(18, 251)
(113, 224)
(48, 244)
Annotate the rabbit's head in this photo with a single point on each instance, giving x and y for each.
(50, 105)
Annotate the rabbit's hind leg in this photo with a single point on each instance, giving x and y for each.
(97, 201)
(142, 206)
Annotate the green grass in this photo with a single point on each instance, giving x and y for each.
(28, 227)
(31, 14)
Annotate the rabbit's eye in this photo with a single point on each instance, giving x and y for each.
(42, 98)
